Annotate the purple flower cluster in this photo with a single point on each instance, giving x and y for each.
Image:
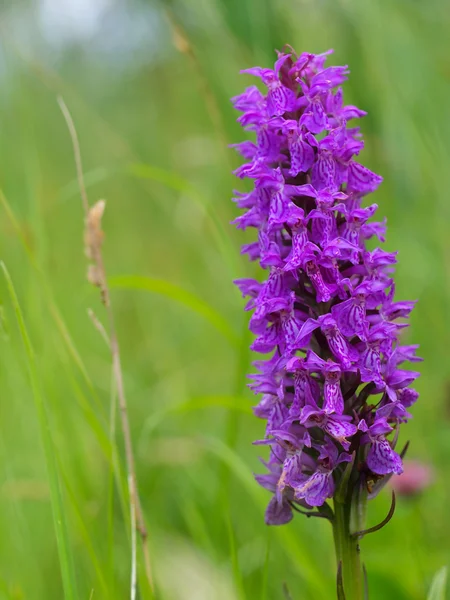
(332, 388)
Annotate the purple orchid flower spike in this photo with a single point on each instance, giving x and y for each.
(334, 388)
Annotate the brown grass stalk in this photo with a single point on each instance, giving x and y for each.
(93, 239)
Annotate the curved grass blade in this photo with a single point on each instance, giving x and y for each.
(91, 178)
(286, 592)
(231, 403)
(264, 590)
(84, 533)
(232, 422)
(237, 575)
(54, 311)
(438, 585)
(59, 517)
(180, 295)
(179, 184)
(96, 422)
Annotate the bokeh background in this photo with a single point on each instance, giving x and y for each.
(148, 85)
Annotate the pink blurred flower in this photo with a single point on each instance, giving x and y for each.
(416, 477)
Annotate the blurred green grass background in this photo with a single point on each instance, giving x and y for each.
(153, 117)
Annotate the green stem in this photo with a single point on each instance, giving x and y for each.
(347, 552)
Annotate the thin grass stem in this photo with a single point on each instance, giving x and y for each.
(97, 276)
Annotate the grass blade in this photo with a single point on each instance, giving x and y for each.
(298, 553)
(438, 585)
(85, 535)
(179, 184)
(234, 558)
(180, 295)
(265, 581)
(54, 311)
(59, 517)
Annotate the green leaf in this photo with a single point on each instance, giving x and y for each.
(438, 585)
(180, 295)
(59, 517)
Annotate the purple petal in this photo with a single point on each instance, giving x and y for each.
(282, 58)
(361, 179)
(323, 173)
(340, 429)
(371, 365)
(304, 335)
(407, 396)
(382, 460)
(324, 292)
(314, 362)
(316, 489)
(380, 426)
(278, 513)
(268, 340)
(306, 190)
(315, 118)
(256, 71)
(324, 81)
(279, 208)
(249, 99)
(287, 440)
(299, 241)
(280, 99)
(341, 349)
(350, 318)
(351, 112)
(302, 157)
(291, 327)
(248, 287)
(334, 402)
(268, 481)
